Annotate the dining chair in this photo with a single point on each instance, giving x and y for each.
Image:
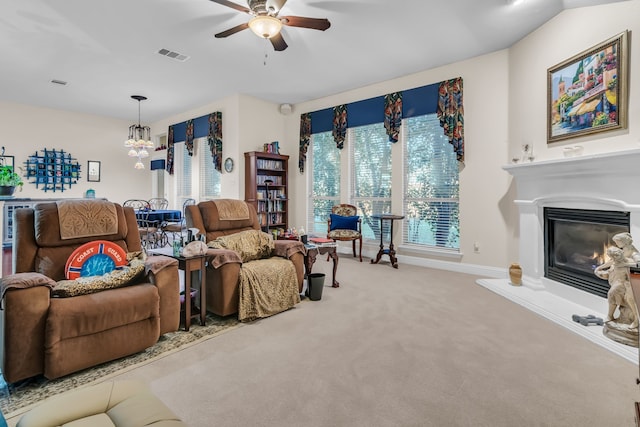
(156, 203)
(150, 233)
(136, 204)
(344, 224)
(177, 228)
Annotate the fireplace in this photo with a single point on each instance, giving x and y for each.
(575, 242)
(606, 182)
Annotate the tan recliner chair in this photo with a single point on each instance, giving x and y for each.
(223, 280)
(108, 404)
(57, 336)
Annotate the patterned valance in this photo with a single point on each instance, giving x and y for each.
(209, 126)
(305, 137)
(188, 141)
(451, 114)
(443, 98)
(393, 115)
(340, 125)
(214, 139)
(170, 150)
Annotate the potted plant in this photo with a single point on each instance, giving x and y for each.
(9, 180)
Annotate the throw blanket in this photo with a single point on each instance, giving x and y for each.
(86, 218)
(267, 287)
(229, 209)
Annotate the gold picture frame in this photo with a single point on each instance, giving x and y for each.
(587, 94)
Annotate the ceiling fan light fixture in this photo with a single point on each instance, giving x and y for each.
(265, 26)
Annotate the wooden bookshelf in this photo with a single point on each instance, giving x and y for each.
(259, 167)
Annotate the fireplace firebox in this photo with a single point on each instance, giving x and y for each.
(575, 243)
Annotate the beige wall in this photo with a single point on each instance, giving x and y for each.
(568, 34)
(247, 123)
(27, 129)
(505, 105)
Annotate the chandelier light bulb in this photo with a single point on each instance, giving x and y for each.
(139, 165)
(133, 153)
(129, 143)
(143, 153)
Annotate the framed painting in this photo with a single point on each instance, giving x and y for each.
(93, 171)
(587, 94)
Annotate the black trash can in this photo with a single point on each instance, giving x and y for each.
(315, 283)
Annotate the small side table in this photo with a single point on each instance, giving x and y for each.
(391, 250)
(190, 265)
(312, 253)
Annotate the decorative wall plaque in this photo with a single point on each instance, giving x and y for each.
(53, 170)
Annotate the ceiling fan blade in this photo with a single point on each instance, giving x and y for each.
(231, 31)
(232, 5)
(301, 21)
(278, 42)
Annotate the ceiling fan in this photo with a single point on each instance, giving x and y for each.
(266, 23)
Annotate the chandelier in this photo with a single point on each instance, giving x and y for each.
(139, 138)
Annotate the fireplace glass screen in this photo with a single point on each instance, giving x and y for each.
(576, 242)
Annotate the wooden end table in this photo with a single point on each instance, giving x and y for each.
(313, 250)
(390, 250)
(190, 266)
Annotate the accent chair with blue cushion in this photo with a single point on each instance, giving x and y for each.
(345, 225)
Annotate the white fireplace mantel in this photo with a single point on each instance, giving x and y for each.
(608, 181)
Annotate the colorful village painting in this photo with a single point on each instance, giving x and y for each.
(585, 94)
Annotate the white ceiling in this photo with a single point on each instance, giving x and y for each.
(107, 50)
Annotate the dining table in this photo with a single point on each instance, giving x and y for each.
(160, 215)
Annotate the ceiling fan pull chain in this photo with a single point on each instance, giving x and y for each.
(266, 55)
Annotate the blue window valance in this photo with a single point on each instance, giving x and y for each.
(415, 102)
(200, 128)
(209, 126)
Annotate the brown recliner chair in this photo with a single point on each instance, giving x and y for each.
(56, 336)
(223, 281)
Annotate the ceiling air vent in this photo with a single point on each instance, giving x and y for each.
(173, 55)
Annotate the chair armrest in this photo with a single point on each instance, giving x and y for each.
(220, 257)
(24, 281)
(156, 263)
(162, 272)
(287, 248)
(98, 399)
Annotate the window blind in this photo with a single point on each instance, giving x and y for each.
(209, 185)
(324, 185)
(431, 185)
(370, 164)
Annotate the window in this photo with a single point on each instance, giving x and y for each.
(209, 176)
(431, 191)
(324, 191)
(201, 183)
(370, 158)
(183, 172)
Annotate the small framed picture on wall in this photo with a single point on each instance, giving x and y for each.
(93, 171)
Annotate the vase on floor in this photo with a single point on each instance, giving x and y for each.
(515, 274)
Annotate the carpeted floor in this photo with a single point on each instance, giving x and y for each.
(406, 347)
(25, 393)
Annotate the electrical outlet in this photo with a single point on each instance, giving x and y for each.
(476, 247)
